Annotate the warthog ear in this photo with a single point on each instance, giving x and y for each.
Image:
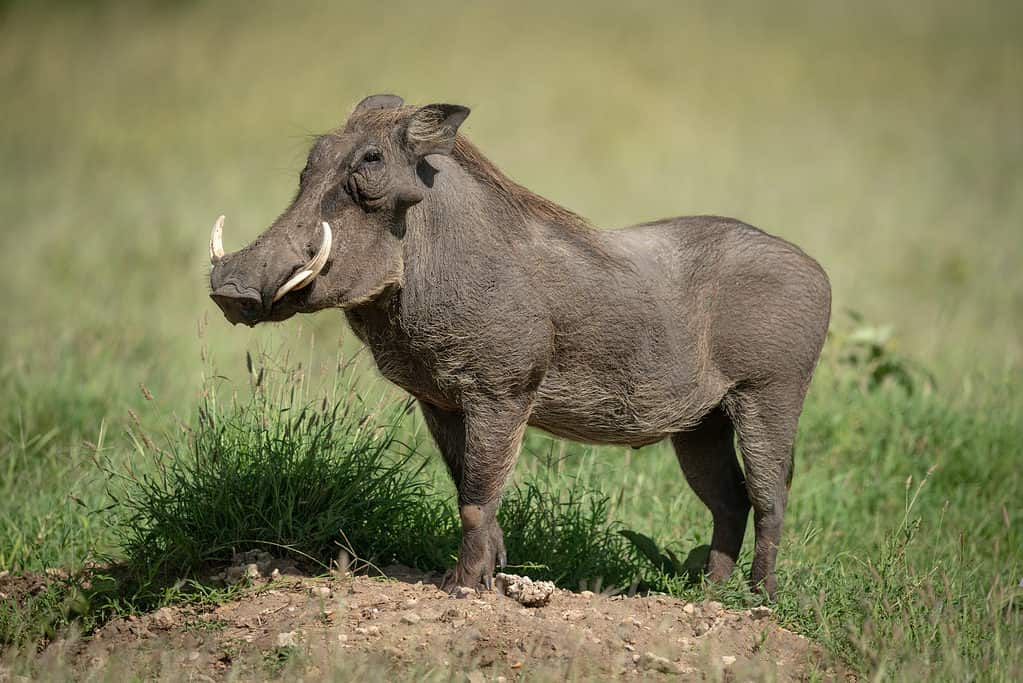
(381, 101)
(407, 195)
(432, 129)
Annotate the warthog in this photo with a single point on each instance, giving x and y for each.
(498, 309)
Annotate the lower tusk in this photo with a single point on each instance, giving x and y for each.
(217, 241)
(298, 281)
(320, 260)
(310, 270)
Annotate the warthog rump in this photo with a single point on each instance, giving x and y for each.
(498, 309)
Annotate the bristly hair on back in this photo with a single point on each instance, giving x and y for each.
(525, 202)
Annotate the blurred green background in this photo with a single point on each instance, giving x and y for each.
(884, 138)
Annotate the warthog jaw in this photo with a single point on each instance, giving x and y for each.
(309, 271)
(305, 275)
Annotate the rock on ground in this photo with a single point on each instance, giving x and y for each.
(524, 590)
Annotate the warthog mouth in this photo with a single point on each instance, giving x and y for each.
(303, 277)
(230, 293)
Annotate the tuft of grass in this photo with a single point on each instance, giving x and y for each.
(567, 532)
(309, 478)
(297, 477)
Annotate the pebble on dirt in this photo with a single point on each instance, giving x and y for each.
(652, 662)
(524, 590)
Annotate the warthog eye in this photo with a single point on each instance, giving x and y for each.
(372, 156)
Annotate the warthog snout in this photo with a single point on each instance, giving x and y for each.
(247, 284)
(239, 304)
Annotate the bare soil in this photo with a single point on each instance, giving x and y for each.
(405, 627)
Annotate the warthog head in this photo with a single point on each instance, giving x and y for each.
(339, 243)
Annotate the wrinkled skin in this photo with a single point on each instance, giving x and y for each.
(498, 309)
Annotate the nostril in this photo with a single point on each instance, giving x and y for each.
(237, 304)
(250, 309)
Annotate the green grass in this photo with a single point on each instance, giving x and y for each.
(311, 476)
(277, 472)
(901, 554)
(882, 138)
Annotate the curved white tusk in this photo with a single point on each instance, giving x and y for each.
(310, 270)
(296, 281)
(217, 241)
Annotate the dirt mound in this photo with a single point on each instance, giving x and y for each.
(16, 586)
(406, 627)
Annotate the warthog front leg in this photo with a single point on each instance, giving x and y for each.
(477, 557)
(448, 431)
(493, 433)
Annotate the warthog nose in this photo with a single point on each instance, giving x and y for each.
(239, 304)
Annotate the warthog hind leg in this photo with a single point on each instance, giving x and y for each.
(707, 457)
(765, 421)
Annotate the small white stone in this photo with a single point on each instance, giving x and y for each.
(287, 639)
(320, 592)
(653, 662)
(586, 594)
(727, 660)
(524, 590)
(163, 618)
(689, 608)
(411, 618)
(462, 593)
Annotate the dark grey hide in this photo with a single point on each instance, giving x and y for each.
(498, 309)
